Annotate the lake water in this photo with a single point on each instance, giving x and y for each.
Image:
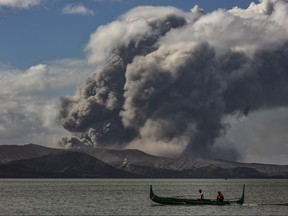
(131, 196)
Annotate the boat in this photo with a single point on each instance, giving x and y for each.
(185, 201)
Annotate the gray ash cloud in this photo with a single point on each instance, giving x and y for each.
(170, 77)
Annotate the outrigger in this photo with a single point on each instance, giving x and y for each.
(185, 201)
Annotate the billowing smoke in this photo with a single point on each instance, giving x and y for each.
(169, 78)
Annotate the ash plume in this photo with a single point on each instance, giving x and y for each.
(169, 78)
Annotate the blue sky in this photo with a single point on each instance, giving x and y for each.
(43, 32)
(43, 58)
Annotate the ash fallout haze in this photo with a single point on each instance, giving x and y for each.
(204, 79)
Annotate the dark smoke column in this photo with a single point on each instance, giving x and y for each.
(93, 115)
(172, 77)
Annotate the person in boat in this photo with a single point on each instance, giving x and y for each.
(220, 196)
(201, 195)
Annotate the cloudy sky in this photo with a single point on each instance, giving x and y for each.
(49, 48)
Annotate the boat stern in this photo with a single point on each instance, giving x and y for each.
(241, 200)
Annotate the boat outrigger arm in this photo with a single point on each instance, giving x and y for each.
(185, 201)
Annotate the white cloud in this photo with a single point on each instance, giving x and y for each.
(134, 24)
(29, 99)
(112, 35)
(19, 3)
(79, 9)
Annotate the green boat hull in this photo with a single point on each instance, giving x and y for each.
(183, 201)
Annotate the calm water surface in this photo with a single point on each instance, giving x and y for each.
(131, 196)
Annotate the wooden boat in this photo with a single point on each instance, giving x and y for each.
(185, 201)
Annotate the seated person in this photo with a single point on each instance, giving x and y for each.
(220, 196)
(201, 195)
